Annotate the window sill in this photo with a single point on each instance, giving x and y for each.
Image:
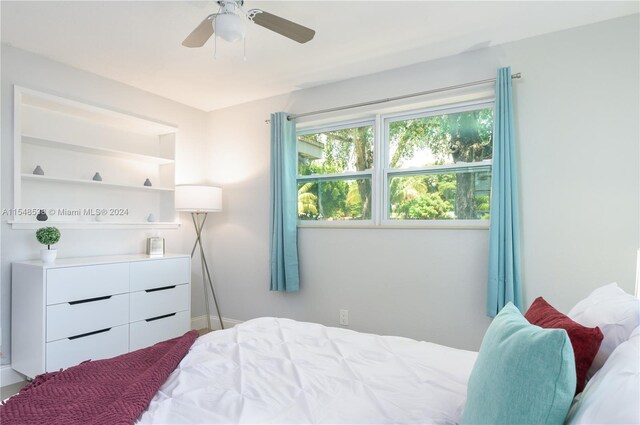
(439, 224)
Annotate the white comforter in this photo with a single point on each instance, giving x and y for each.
(281, 371)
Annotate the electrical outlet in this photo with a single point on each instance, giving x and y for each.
(344, 317)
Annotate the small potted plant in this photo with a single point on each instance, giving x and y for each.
(48, 236)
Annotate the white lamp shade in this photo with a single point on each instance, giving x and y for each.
(196, 198)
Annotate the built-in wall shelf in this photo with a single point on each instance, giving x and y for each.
(115, 225)
(98, 114)
(30, 140)
(70, 141)
(94, 183)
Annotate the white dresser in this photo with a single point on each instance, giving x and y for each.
(94, 308)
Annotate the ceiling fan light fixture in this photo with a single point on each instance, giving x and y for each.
(229, 27)
(229, 24)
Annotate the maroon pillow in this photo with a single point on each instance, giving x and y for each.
(585, 341)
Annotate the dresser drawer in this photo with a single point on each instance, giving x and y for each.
(80, 317)
(159, 273)
(69, 352)
(148, 332)
(159, 301)
(80, 283)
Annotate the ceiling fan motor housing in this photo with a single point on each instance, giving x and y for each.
(230, 6)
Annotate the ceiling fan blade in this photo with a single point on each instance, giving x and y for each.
(282, 26)
(201, 34)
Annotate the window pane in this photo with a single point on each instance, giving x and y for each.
(337, 151)
(445, 196)
(348, 199)
(442, 139)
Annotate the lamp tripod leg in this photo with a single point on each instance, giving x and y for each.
(204, 287)
(198, 231)
(205, 267)
(215, 301)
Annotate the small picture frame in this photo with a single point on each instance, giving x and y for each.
(155, 246)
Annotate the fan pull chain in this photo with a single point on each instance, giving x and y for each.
(215, 47)
(244, 41)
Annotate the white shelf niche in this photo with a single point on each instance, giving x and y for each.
(35, 177)
(72, 141)
(35, 141)
(119, 225)
(100, 115)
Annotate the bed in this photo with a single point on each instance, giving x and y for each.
(274, 370)
(271, 370)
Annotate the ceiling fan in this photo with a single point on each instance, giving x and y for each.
(228, 24)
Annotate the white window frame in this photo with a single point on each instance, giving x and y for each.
(381, 171)
(386, 119)
(347, 175)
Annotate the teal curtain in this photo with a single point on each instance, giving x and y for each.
(284, 205)
(504, 233)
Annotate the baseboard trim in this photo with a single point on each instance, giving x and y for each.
(200, 322)
(9, 376)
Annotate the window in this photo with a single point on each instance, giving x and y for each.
(426, 167)
(439, 165)
(335, 173)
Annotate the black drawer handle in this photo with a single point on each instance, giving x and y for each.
(90, 300)
(90, 333)
(159, 317)
(164, 288)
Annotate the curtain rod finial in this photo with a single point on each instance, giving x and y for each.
(289, 118)
(518, 75)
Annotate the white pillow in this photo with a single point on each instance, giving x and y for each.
(612, 396)
(615, 312)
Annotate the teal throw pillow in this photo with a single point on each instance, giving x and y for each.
(524, 374)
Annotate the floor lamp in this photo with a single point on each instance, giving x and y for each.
(200, 201)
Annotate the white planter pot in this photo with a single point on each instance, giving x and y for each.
(48, 256)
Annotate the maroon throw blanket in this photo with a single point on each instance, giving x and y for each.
(111, 391)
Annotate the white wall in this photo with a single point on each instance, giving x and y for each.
(32, 71)
(578, 141)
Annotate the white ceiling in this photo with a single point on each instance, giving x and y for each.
(138, 42)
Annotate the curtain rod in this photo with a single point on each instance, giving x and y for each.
(391, 99)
